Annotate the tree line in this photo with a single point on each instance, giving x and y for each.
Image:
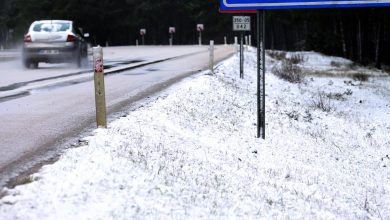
(360, 34)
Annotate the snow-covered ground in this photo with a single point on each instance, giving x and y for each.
(191, 152)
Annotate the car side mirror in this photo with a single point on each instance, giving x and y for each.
(86, 35)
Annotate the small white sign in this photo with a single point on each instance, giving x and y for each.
(172, 30)
(241, 23)
(142, 31)
(199, 27)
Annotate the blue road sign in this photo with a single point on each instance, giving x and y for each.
(287, 4)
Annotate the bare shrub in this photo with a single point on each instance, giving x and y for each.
(360, 77)
(337, 96)
(297, 58)
(353, 66)
(322, 101)
(386, 69)
(277, 55)
(308, 117)
(335, 64)
(288, 71)
(293, 115)
(348, 92)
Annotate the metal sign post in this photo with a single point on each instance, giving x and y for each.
(263, 70)
(259, 112)
(261, 74)
(100, 97)
(241, 23)
(242, 55)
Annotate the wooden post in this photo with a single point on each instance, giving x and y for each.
(100, 99)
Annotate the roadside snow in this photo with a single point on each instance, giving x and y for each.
(192, 153)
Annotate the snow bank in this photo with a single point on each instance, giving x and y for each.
(192, 153)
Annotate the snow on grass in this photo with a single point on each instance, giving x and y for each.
(192, 153)
(319, 65)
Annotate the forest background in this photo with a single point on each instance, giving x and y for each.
(360, 34)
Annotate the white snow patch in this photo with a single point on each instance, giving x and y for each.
(192, 153)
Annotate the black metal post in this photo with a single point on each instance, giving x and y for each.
(259, 123)
(263, 47)
(242, 55)
(261, 74)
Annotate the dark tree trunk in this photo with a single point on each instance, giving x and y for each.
(378, 43)
(359, 40)
(342, 35)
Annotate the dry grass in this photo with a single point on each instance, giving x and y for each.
(289, 72)
(297, 58)
(323, 102)
(360, 77)
(277, 55)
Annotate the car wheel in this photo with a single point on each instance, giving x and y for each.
(77, 59)
(30, 64)
(34, 65)
(26, 63)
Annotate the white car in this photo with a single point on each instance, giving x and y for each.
(53, 41)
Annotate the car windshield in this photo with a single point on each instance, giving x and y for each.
(51, 27)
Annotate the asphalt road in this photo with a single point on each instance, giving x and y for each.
(43, 111)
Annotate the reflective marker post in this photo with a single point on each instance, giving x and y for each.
(100, 99)
(172, 30)
(200, 28)
(142, 32)
(211, 61)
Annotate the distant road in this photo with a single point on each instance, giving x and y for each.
(43, 110)
(6, 55)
